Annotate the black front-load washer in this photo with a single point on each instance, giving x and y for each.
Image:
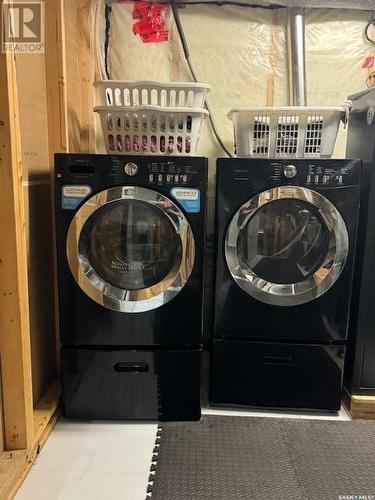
(286, 233)
(130, 247)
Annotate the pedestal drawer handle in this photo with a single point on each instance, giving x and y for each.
(278, 360)
(125, 367)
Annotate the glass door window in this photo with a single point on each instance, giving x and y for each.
(286, 246)
(285, 241)
(130, 249)
(132, 245)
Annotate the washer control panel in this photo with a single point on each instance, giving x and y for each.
(169, 173)
(162, 173)
(156, 172)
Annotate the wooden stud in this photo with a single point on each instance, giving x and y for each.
(69, 76)
(15, 465)
(272, 78)
(79, 76)
(14, 312)
(359, 406)
(55, 79)
(56, 115)
(86, 73)
(2, 439)
(46, 408)
(12, 467)
(33, 124)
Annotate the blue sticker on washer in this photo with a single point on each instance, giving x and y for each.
(72, 195)
(190, 199)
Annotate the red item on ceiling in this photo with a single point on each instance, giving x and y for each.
(368, 62)
(151, 25)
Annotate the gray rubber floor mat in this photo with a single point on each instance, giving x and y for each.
(224, 458)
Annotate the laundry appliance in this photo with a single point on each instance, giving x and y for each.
(286, 234)
(130, 249)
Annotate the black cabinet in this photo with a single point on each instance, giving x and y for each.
(360, 366)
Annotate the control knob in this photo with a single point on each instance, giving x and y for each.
(290, 171)
(131, 168)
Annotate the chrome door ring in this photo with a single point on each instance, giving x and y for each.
(108, 295)
(294, 293)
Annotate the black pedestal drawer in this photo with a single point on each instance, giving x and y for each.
(131, 384)
(277, 375)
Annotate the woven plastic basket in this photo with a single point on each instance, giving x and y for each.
(287, 132)
(145, 93)
(150, 129)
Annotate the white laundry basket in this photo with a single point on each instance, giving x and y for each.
(287, 132)
(147, 93)
(151, 129)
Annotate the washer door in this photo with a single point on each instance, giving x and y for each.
(286, 246)
(130, 249)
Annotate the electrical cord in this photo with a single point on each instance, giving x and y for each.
(371, 23)
(223, 3)
(185, 48)
(217, 3)
(107, 13)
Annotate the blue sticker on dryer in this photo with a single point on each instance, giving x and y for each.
(190, 199)
(72, 195)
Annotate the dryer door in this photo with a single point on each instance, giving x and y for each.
(286, 246)
(130, 249)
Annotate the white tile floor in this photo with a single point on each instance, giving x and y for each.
(92, 461)
(106, 461)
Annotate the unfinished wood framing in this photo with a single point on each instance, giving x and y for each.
(25, 424)
(14, 465)
(55, 79)
(46, 105)
(359, 406)
(2, 439)
(31, 86)
(79, 76)
(14, 314)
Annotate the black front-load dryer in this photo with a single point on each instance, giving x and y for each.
(130, 248)
(286, 234)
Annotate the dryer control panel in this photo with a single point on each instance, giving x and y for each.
(329, 173)
(319, 173)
